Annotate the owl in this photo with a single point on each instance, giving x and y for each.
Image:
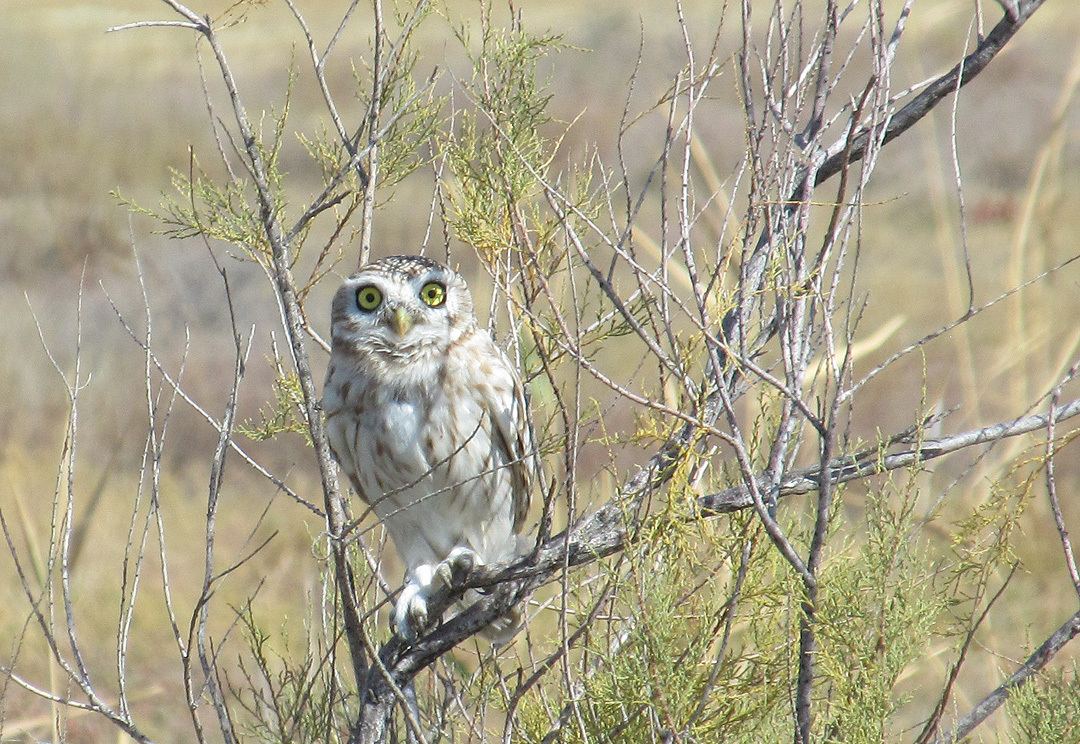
(426, 416)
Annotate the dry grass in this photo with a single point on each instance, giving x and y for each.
(87, 112)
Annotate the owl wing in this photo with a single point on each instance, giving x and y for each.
(335, 393)
(513, 437)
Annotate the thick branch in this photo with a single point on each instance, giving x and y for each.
(872, 462)
(606, 532)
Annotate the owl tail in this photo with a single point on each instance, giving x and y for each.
(502, 629)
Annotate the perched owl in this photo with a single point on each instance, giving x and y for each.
(426, 416)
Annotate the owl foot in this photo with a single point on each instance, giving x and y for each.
(411, 610)
(457, 566)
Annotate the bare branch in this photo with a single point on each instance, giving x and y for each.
(1032, 665)
(605, 532)
(336, 507)
(924, 102)
(156, 24)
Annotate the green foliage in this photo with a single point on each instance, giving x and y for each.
(982, 541)
(499, 154)
(679, 668)
(983, 548)
(224, 207)
(1046, 709)
(216, 208)
(286, 414)
(501, 149)
(327, 151)
(286, 697)
(876, 614)
(661, 664)
(412, 115)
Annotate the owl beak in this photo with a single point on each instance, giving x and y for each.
(401, 320)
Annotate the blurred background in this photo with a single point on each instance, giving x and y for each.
(86, 115)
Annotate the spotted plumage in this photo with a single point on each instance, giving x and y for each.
(426, 416)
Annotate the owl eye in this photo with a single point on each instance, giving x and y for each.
(433, 294)
(368, 298)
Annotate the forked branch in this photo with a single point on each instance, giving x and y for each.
(607, 530)
(918, 107)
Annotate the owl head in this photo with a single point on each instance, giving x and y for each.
(401, 310)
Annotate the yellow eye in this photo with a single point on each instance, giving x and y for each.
(368, 298)
(433, 294)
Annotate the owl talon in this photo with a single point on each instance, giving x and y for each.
(410, 612)
(459, 564)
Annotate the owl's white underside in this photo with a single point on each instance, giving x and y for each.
(427, 464)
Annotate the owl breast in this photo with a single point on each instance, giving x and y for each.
(425, 458)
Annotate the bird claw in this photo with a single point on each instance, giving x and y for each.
(411, 610)
(456, 566)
